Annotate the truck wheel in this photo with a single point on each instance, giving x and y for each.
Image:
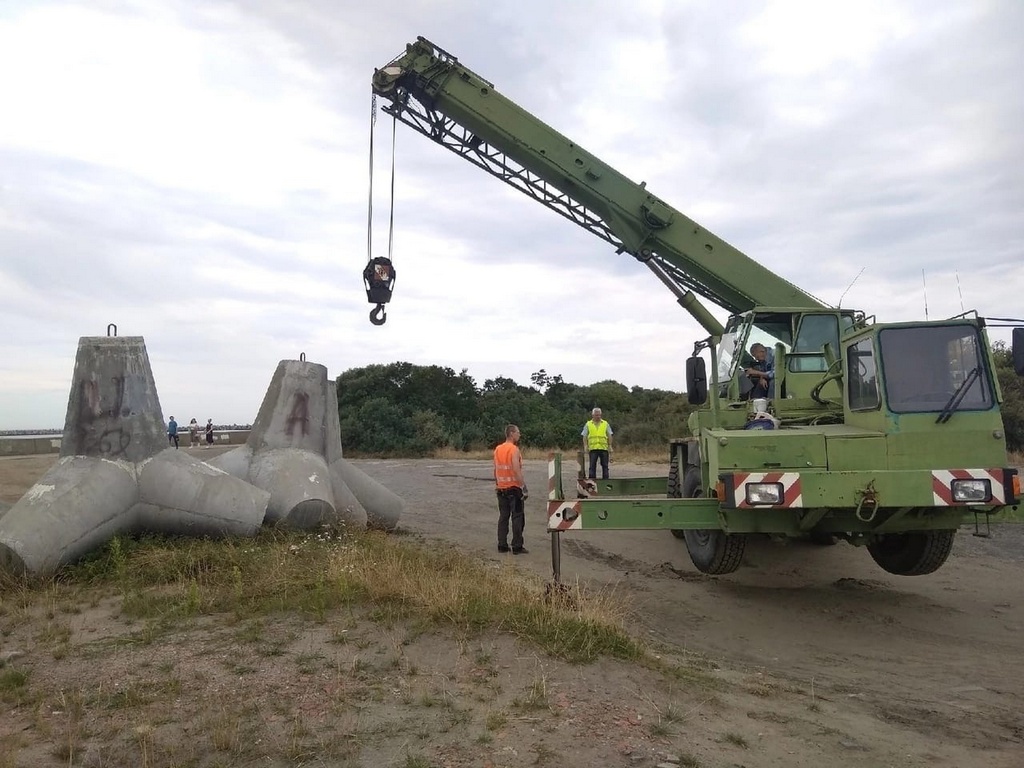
(711, 550)
(674, 491)
(912, 554)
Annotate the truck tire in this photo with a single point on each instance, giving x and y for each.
(712, 551)
(675, 491)
(915, 553)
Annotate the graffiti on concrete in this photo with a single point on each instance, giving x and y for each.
(299, 414)
(99, 430)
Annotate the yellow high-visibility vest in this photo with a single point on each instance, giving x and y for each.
(597, 435)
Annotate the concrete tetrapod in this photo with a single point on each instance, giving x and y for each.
(383, 507)
(116, 474)
(294, 451)
(344, 498)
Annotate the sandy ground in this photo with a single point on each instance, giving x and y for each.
(827, 659)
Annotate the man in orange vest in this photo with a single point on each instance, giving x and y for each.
(511, 489)
(597, 440)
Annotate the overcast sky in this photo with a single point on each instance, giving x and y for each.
(195, 171)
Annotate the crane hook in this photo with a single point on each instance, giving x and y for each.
(379, 280)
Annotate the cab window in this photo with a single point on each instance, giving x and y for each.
(862, 376)
(808, 352)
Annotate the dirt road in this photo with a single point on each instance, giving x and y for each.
(919, 671)
(940, 658)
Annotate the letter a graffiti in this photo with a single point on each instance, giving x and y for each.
(299, 414)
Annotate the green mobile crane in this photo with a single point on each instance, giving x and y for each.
(886, 435)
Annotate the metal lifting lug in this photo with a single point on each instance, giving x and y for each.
(867, 507)
(377, 315)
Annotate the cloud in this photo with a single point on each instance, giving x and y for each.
(197, 174)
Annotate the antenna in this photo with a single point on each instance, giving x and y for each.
(840, 305)
(925, 284)
(962, 310)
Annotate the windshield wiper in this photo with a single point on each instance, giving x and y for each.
(954, 401)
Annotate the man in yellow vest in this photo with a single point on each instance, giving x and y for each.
(597, 439)
(510, 486)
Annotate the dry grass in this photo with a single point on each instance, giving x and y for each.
(167, 581)
(289, 648)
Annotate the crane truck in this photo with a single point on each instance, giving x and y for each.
(885, 435)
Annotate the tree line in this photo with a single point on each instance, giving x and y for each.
(1012, 386)
(401, 409)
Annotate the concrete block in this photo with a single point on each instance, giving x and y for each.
(301, 495)
(350, 509)
(78, 505)
(294, 410)
(235, 462)
(333, 452)
(294, 452)
(116, 474)
(383, 507)
(113, 409)
(186, 497)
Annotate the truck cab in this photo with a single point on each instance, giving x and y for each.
(925, 390)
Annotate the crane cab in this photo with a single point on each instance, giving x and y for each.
(802, 347)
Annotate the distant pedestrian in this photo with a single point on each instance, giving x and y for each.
(597, 439)
(510, 485)
(209, 432)
(172, 432)
(193, 434)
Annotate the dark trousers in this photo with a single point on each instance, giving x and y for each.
(511, 507)
(759, 389)
(172, 439)
(596, 456)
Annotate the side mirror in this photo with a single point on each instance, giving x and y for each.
(697, 380)
(1018, 351)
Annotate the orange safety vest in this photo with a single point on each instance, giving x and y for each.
(597, 435)
(507, 460)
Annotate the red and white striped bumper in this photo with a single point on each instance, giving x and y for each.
(999, 490)
(564, 516)
(736, 488)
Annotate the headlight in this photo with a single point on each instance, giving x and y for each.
(971, 490)
(764, 493)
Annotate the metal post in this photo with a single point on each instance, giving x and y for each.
(556, 556)
(555, 477)
(715, 404)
